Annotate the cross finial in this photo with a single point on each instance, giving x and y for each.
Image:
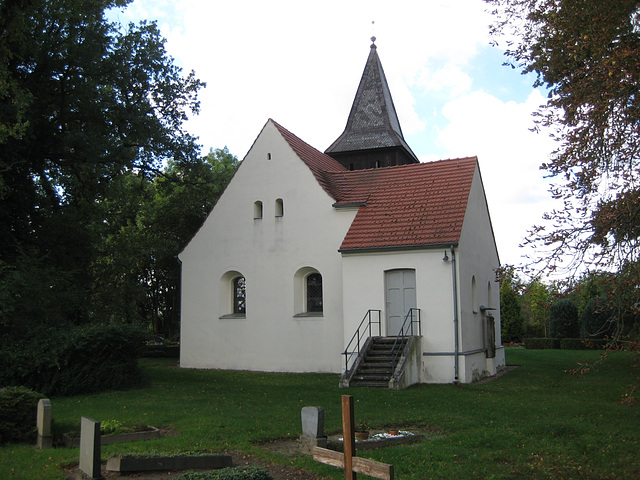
(373, 31)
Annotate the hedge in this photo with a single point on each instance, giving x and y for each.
(564, 343)
(85, 359)
(18, 413)
(541, 343)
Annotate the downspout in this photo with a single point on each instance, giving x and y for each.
(455, 313)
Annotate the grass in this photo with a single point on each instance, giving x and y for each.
(536, 422)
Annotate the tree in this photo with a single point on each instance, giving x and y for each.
(510, 306)
(563, 319)
(536, 300)
(85, 107)
(137, 270)
(585, 53)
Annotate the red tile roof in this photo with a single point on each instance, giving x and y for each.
(410, 205)
(318, 162)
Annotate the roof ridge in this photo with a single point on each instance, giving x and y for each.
(318, 162)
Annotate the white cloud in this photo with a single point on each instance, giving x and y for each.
(510, 156)
(300, 63)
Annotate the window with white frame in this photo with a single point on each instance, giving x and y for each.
(308, 293)
(233, 295)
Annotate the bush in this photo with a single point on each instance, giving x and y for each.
(535, 330)
(18, 413)
(541, 343)
(573, 344)
(229, 473)
(563, 320)
(596, 320)
(84, 359)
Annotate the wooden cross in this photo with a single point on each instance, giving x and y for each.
(348, 460)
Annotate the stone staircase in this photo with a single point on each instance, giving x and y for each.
(376, 366)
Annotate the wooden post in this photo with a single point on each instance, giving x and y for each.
(348, 460)
(348, 434)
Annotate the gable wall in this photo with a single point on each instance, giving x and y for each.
(268, 253)
(477, 257)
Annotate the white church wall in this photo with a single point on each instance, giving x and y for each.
(299, 229)
(478, 261)
(364, 289)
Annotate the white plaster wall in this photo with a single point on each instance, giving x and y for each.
(364, 289)
(477, 257)
(267, 252)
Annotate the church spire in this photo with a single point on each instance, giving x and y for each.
(372, 137)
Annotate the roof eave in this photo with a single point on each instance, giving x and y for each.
(424, 246)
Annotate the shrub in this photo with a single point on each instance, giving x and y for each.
(596, 320)
(563, 320)
(541, 343)
(229, 473)
(84, 359)
(572, 344)
(535, 330)
(18, 412)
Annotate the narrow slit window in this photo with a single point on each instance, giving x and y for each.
(257, 210)
(239, 296)
(279, 208)
(314, 292)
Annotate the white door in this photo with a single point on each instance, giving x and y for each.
(401, 297)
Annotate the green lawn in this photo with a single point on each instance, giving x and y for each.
(535, 422)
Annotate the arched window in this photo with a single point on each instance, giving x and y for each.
(314, 292)
(279, 208)
(308, 299)
(239, 296)
(257, 210)
(233, 295)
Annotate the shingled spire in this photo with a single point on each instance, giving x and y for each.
(373, 137)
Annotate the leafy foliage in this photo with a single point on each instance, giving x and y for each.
(597, 320)
(510, 308)
(541, 343)
(100, 185)
(563, 320)
(18, 412)
(91, 358)
(585, 53)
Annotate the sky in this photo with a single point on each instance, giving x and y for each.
(300, 63)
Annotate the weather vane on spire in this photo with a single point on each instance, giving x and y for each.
(373, 31)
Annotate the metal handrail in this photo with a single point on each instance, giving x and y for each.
(406, 330)
(360, 335)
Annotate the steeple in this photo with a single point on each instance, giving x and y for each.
(373, 137)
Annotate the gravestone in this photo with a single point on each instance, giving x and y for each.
(90, 447)
(43, 420)
(312, 429)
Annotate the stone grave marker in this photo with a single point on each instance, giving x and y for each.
(312, 429)
(90, 447)
(43, 420)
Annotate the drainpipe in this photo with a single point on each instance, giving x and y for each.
(455, 313)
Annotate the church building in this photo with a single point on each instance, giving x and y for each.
(361, 260)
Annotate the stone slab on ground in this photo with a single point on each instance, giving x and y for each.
(182, 462)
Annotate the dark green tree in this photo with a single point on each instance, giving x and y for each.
(85, 106)
(563, 320)
(137, 270)
(510, 306)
